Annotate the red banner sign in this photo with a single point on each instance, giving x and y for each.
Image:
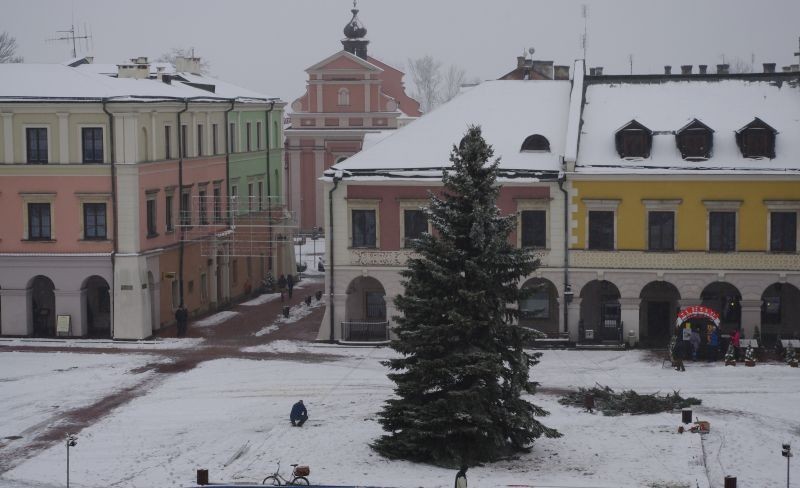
(697, 311)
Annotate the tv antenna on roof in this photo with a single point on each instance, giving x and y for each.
(74, 36)
(584, 37)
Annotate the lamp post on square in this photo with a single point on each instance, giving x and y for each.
(72, 440)
(787, 453)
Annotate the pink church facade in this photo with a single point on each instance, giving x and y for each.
(351, 100)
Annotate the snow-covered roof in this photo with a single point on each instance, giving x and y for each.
(113, 69)
(664, 106)
(55, 81)
(374, 137)
(507, 111)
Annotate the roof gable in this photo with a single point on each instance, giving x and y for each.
(343, 60)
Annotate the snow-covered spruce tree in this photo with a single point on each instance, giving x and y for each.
(463, 370)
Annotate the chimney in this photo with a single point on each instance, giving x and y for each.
(138, 69)
(703, 68)
(769, 67)
(544, 68)
(561, 72)
(722, 69)
(686, 69)
(592, 71)
(667, 70)
(598, 71)
(787, 69)
(520, 61)
(187, 65)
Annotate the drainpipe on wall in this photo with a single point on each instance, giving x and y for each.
(269, 189)
(112, 153)
(336, 178)
(180, 195)
(228, 162)
(567, 293)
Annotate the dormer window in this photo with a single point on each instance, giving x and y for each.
(634, 140)
(695, 141)
(536, 142)
(756, 140)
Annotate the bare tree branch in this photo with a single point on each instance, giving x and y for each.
(426, 78)
(8, 49)
(453, 79)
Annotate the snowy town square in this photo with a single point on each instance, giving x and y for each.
(417, 244)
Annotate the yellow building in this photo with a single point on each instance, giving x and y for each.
(685, 191)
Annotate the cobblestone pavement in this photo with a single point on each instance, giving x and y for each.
(223, 340)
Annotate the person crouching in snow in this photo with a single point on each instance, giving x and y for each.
(299, 414)
(461, 477)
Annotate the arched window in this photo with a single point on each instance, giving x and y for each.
(344, 96)
(536, 142)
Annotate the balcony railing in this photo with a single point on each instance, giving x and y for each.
(364, 331)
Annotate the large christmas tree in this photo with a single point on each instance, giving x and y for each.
(463, 371)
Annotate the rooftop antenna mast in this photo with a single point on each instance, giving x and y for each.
(71, 35)
(798, 51)
(584, 37)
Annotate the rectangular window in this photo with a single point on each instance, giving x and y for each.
(534, 228)
(214, 138)
(247, 136)
(199, 139)
(167, 142)
(249, 197)
(783, 232)
(415, 223)
(39, 221)
(94, 220)
(258, 135)
(151, 218)
(364, 228)
(661, 231)
(722, 231)
(601, 230)
(217, 204)
(184, 141)
(168, 214)
(92, 144)
(202, 207)
(36, 139)
(232, 137)
(261, 195)
(203, 287)
(186, 208)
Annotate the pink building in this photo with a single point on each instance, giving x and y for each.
(352, 100)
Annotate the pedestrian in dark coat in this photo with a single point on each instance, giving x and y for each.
(282, 285)
(182, 318)
(299, 414)
(461, 477)
(713, 345)
(290, 284)
(678, 353)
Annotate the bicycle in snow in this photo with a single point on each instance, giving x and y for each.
(299, 474)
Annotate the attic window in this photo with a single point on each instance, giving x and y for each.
(634, 140)
(536, 142)
(756, 140)
(695, 141)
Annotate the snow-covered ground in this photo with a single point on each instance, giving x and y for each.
(230, 416)
(155, 344)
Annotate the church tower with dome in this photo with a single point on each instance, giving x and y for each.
(351, 101)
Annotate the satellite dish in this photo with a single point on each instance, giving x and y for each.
(531, 51)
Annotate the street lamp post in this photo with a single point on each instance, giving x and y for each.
(71, 441)
(787, 453)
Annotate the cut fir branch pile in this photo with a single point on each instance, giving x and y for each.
(611, 403)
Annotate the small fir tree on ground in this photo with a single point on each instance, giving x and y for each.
(730, 355)
(463, 372)
(791, 356)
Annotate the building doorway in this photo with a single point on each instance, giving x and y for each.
(43, 306)
(657, 313)
(725, 299)
(98, 307)
(780, 313)
(601, 316)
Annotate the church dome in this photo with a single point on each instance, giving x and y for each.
(355, 29)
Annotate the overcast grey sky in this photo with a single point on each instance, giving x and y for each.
(265, 45)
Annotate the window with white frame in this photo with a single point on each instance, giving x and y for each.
(92, 144)
(661, 217)
(414, 221)
(364, 220)
(722, 218)
(94, 221)
(601, 223)
(36, 145)
(782, 225)
(533, 223)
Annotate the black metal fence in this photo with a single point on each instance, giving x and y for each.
(364, 331)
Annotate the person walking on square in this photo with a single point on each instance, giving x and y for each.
(736, 337)
(298, 415)
(181, 318)
(713, 345)
(461, 477)
(282, 285)
(678, 353)
(290, 284)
